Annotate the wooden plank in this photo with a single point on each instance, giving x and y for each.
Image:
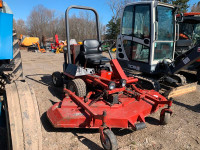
(182, 90)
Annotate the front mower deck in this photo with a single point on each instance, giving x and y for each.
(132, 109)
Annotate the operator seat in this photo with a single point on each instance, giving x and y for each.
(93, 54)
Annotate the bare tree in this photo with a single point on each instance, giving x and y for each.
(45, 22)
(14, 23)
(39, 21)
(20, 27)
(116, 7)
(84, 26)
(196, 7)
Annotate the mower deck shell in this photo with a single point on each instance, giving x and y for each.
(68, 114)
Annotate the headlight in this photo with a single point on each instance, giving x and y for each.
(111, 85)
(123, 82)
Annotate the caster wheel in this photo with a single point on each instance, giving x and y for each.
(110, 142)
(57, 79)
(165, 118)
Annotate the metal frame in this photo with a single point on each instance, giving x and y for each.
(134, 106)
(67, 27)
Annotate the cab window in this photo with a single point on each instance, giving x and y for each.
(127, 21)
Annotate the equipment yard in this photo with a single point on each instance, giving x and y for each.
(77, 81)
(181, 133)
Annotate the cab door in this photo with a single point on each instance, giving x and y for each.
(136, 32)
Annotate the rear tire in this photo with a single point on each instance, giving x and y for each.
(17, 72)
(22, 117)
(78, 86)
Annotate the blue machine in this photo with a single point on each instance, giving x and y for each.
(6, 32)
(6, 36)
(6, 42)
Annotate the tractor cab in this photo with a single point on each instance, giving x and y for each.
(147, 35)
(189, 31)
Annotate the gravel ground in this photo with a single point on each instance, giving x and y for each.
(181, 133)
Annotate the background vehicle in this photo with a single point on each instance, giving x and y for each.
(189, 29)
(189, 37)
(146, 47)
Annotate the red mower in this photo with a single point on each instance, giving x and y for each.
(98, 94)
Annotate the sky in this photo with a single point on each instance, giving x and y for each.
(22, 8)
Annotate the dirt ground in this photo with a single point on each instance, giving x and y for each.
(183, 131)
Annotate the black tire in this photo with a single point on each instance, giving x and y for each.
(17, 71)
(198, 75)
(165, 118)
(78, 86)
(111, 140)
(22, 117)
(57, 79)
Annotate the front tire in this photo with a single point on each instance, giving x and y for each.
(165, 118)
(78, 86)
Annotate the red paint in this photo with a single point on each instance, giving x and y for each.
(189, 14)
(106, 74)
(134, 103)
(124, 115)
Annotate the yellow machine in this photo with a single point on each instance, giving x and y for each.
(59, 49)
(28, 41)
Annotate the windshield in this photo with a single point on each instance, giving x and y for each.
(127, 21)
(164, 45)
(190, 31)
(142, 21)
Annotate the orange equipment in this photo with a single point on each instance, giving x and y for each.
(1, 3)
(39, 48)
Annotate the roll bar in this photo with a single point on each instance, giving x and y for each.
(67, 28)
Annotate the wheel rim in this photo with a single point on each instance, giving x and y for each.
(71, 88)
